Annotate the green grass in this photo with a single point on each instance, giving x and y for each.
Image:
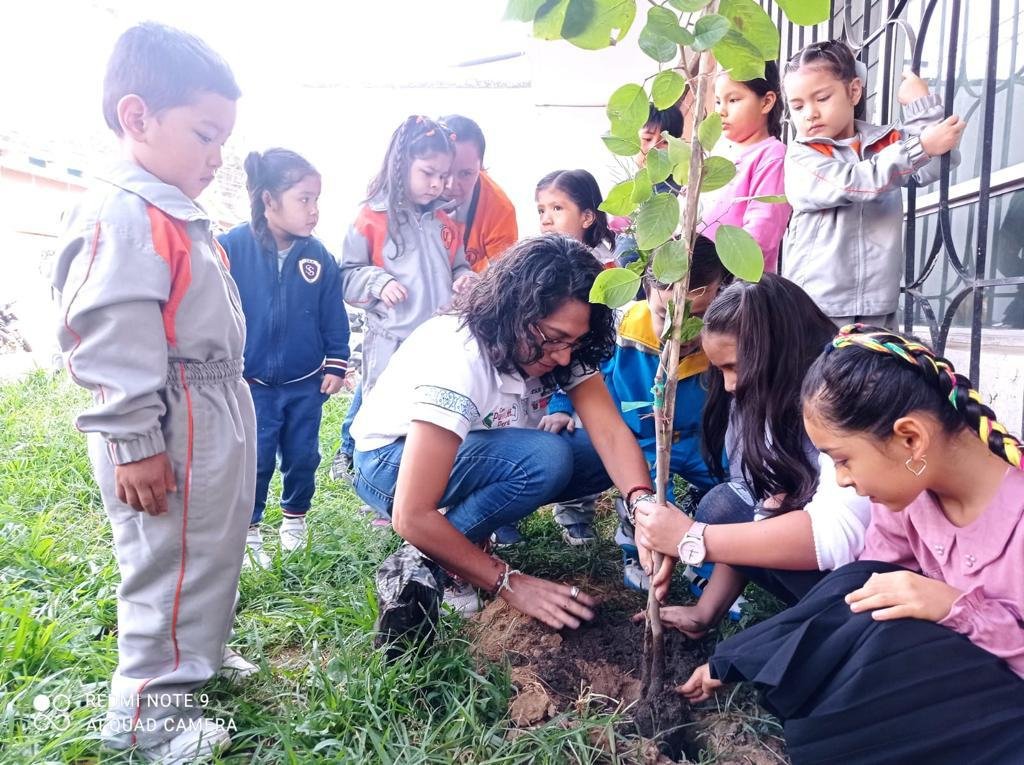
(323, 695)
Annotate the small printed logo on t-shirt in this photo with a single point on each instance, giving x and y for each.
(309, 269)
(502, 417)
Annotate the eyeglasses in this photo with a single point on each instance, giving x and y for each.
(556, 345)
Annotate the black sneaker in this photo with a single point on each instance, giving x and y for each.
(579, 534)
(410, 587)
(341, 467)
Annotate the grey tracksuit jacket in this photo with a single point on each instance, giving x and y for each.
(845, 242)
(152, 326)
(432, 258)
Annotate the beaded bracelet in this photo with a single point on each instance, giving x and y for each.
(634, 490)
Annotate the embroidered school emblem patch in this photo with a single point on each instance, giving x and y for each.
(447, 237)
(309, 269)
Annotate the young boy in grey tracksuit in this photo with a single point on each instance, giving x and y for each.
(152, 326)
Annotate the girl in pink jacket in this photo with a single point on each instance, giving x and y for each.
(915, 652)
(751, 114)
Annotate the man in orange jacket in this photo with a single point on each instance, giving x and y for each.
(486, 217)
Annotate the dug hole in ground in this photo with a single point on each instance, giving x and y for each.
(599, 665)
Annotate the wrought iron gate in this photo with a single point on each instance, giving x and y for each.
(964, 234)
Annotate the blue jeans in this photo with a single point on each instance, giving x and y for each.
(499, 477)
(348, 445)
(287, 423)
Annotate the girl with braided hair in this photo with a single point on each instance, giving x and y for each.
(403, 258)
(915, 652)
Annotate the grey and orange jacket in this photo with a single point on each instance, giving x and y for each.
(143, 284)
(295, 320)
(430, 261)
(845, 241)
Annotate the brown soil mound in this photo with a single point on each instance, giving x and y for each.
(600, 663)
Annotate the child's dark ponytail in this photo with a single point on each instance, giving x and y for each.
(762, 86)
(836, 56)
(868, 378)
(416, 137)
(274, 171)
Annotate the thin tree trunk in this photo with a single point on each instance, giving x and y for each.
(653, 673)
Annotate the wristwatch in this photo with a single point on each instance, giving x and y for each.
(691, 547)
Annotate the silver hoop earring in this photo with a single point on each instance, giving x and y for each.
(916, 471)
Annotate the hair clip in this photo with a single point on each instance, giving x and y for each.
(419, 119)
(429, 132)
(452, 137)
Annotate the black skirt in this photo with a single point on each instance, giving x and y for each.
(850, 689)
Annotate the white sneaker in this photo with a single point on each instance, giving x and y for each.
(254, 554)
(235, 668)
(462, 598)
(293, 533)
(200, 740)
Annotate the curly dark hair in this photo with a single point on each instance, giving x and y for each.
(531, 281)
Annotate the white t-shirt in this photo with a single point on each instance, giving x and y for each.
(439, 375)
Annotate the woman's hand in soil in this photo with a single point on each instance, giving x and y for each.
(685, 619)
(661, 527)
(701, 686)
(556, 423)
(549, 602)
(903, 595)
(144, 484)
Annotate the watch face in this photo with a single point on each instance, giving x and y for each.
(692, 553)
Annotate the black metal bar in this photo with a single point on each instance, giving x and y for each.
(985, 184)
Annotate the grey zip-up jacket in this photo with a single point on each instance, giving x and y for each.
(845, 242)
(432, 258)
(145, 291)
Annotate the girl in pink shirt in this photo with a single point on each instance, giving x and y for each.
(751, 114)
(914, 653)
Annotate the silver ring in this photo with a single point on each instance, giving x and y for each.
(574, 592)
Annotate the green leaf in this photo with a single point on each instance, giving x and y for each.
(656, 221)
(709, 131)
(688, 6)
(667, 88)
(690, 329)
(661, 49)
(671, 261)
(678, 150)
(632, 406)
(806, 12)
(709, 30)
(718, 171)
(753, 24)
(596, 24)
(739, 253)
(614, 287)
(622, 146)
(642, 188)
(522, 10)
(739, 57)
(627, 110)
(772, 199)
(681, 174)
(549, 20)
(659, 166)
(664, 23)
(619, 199)
(639, 265)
